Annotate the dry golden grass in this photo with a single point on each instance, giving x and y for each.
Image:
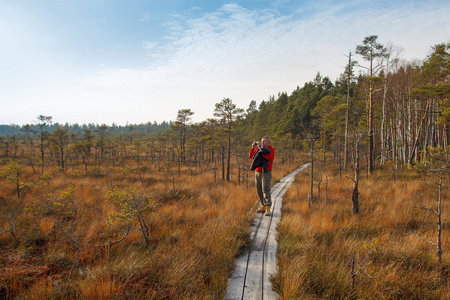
(315, 246)
(197, 227)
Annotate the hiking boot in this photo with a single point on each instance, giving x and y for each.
(261, 209)
(267, 213)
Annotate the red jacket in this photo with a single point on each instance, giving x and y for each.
(269, 157)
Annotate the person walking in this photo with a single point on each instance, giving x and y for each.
(263, 156)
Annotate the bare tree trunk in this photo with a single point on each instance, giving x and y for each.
(355, 193)
(223, 163)
(413, 150)
(229, 152)
(310, 199)
(346, 154)
(439, 223)
(383, 121)
(370, 152)
(239, 169)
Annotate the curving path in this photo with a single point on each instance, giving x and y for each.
(250, 278)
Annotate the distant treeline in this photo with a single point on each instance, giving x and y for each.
(145, 129)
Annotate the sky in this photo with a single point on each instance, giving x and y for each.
(139, 61)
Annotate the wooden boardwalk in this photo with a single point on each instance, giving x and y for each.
(250, 278)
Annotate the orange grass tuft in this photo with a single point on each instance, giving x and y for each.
(104, 288)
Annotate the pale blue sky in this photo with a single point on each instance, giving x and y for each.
(105, 61)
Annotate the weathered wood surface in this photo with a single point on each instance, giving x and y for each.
(254, 267)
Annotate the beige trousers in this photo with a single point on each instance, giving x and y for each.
(262, 182)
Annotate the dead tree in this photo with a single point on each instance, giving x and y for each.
(435, 165)
(356, 163)
(312, 139)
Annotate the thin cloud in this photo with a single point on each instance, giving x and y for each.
(243, 54)
(239, 53)
(145, 18)
(149, 45)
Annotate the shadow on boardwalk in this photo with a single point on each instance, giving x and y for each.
(250, 278)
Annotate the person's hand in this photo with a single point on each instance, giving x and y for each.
(255, 145)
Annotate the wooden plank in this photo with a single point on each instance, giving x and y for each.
(270, 268)
(270, 250)
(257, 263)
(236, 281)
(253, 284)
